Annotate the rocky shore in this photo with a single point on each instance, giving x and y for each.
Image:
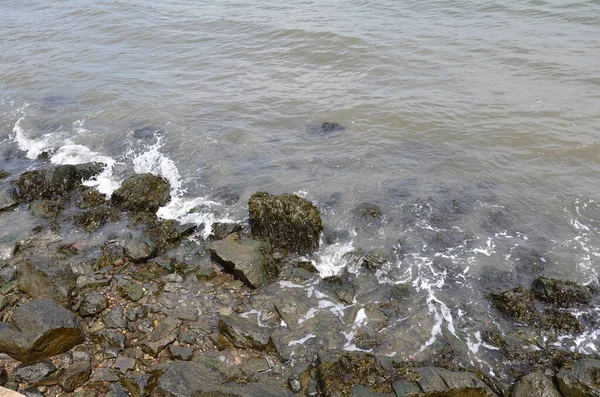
(100, 297)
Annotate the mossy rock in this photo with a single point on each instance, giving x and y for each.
(561, 293)
(164, 234)
(340, 373)
(142, 193)
(287, 221)
(517, 304)
(96, 218)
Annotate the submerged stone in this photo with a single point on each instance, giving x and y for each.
(142, 193)
(561, 293)
(96, 218)
(287, 221)
(517, 304)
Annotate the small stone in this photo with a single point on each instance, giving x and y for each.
(130, 290)
(295, 385)
(76, 374)
(139, 249)
(124, 364)
(139, 384)
(7, 273)
(35, 372)
(181, 352)
(164, 334)
(115, 318)
(92, 304)
(220, 341)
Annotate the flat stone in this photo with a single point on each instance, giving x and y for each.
(93, 303)
(181, 352)
(35, 372)
(76, 374)
(115, 318)
(244, 333)
(163, 335)
(124, 364)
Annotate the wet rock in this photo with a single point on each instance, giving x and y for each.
(38, 329)
(112, 254)
(535, 384)
(95, 218)
(33, 373)
(242, 256)
(581, 379)
(341, 287)
(374, 260)
(326, 128)
(45, 208)
(287, 221)
(139, 249)
(8, 197)
(220, 230)
(181, 352)
(561, 293)
(91, 199)
(430, 382)
(368, 213)
(93, 303)
(164, 235)
(142, 193)
(220, 341)
(54, 280)
(244, 333)
(139, 385)
(340, 372)
(164, 334)
(76, 374)
(561, 322)
(517, 304)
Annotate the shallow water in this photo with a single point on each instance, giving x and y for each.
(474, 127)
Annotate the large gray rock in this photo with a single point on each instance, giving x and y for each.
(142, 193)
(582, 379)
(38, 329)
(243, 257)
(186, 379)
(437, 382)
(244, 333)
(535, 384)
(47, 279)
(287, 221)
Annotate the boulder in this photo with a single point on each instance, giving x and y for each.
(165, 235)
(582, 379)
(245, 334)
(561, 293)
(38, 329)
(142, 193)
(243, 257)
(287, 221)
(139, 249)
(46, 279)
(437, 382)
(535, 384)
(8, 197)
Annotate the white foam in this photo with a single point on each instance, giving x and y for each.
(330, 260)
(32, 147)
(302, 340)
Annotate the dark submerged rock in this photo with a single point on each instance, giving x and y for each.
(287, 221)
(561, 293)
(517, 304)
(38, 329)
(534, 384)
(326, 128)
(243, 257)
(142, 193)
(582, 379)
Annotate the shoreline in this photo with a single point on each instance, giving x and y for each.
(159, 312)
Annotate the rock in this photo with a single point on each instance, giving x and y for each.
(124, 364)
(76, 374)
(7, 273)
(95, 218)
(33, 373)
(368, 213)
(139, 249)
(342, 288)
(109, 338)
(38, 329)
(8, 197)
(560, 292)
(45, 208)
(115, 318)
(164, 334)
(164, 235)
(244, 333)
(181, 353)
(3, 174)
(102, 375)
(3, 376)
(92, 304)
(54, 280)
(139, 385)
(433, 382)
(561, 322)
(516, 304)
(186, 379)
(242, 256)
(374, 260)
(130, 290)
(142, 193)
(220, 230)
(535, 384)
(287, 221)
(326, 128)
(582, 379)
(340, 372)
